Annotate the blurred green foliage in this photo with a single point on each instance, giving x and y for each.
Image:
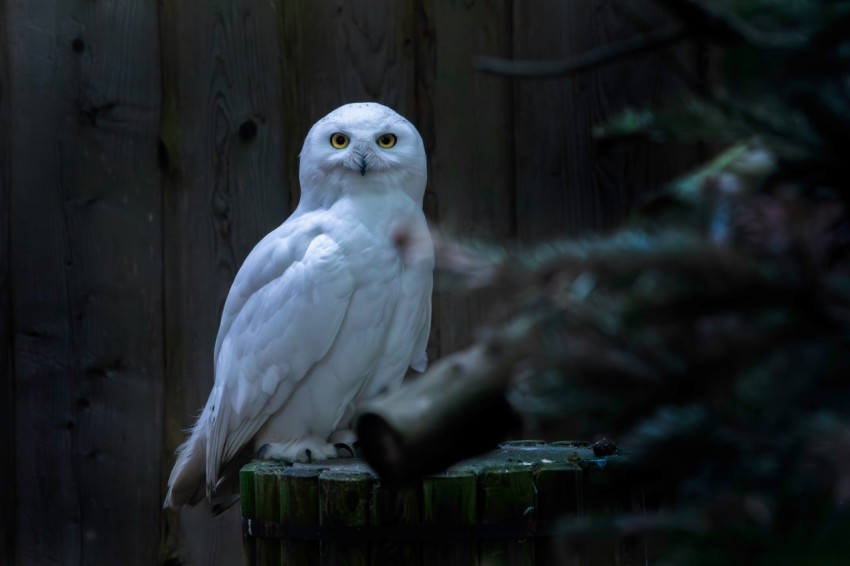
(711, 335)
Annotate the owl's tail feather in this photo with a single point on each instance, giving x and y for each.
(186, 482)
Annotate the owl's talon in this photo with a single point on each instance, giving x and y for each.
(345, 439)
(344, 450)
(305, 450)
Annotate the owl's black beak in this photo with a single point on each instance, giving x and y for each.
(363, 165)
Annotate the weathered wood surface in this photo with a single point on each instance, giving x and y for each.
(344, 501)
(472, 156)
(507, 493)
(566, 183)
(146, 147)
(299, 507)
(499, 508)
(401, 508)
(86, 264)
(563, 483)
(247, 507)
(450, 499)
(7, 387)
(221, 146)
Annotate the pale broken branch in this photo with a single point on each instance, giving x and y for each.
(414, 430)
(585, 61)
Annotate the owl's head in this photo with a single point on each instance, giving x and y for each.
(362, 147)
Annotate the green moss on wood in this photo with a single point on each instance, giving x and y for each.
(299, 506)
(507, 495)
(396, 507)
(338, 512)
(559, 490)
(267, 508)
(246, 487)
(450, 498)
(344, 499)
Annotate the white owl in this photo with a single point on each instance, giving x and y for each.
(330, 308)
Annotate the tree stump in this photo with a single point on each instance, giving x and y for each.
(498, 508)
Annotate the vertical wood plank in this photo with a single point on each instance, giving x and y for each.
(299, 507)
(221, 147)
(604, 497)
(344, 501)
(87, 299)
(7, 387)
(558, 487)
(424, 79)
(267, 508)
(248, 508)
(450, 499)
(472, 157)
(506, 496)
(396, 507)
(566, 183)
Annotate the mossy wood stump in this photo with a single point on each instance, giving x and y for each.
(498, 508)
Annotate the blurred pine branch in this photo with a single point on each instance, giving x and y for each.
(711, 334)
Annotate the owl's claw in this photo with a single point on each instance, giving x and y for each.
(347, 450)
(346, 444)
(305, 450)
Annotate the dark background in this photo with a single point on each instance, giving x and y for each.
(147, 146)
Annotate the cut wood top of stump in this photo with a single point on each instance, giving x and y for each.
(517, 490)
(533, 453)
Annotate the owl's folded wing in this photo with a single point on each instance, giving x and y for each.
(284, 326)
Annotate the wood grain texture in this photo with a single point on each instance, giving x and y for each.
(566, 183)
(559, 493)
(267, 507)
(7, 385)
(499, 507)
(450, 499)
(299, 505)
(424, 79)
(86, 259)
(221, 148)
(472, 155)
(344, 500)
(395, 507)
(247, 506)
(506, 492)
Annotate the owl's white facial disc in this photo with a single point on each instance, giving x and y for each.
(362, 147)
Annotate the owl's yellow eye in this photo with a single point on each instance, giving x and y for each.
(386, 141)
(339, 140)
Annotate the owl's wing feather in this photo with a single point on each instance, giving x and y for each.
(413, 327)
(296, 317)
(272, 255)
(419, 360)
(419, 258)
(404, 344)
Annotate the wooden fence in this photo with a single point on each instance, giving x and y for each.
(146, 146)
